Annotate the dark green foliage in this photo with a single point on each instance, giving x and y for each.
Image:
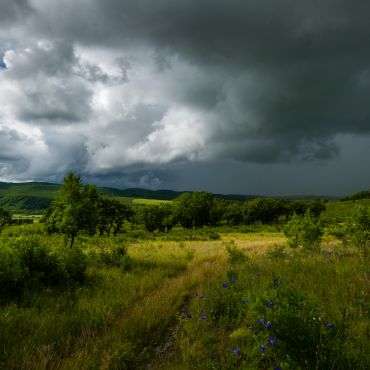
(82, 209)
(305, 231)
(364, 194)
(110, 215)
(5, 218)
(27, 263)
(264, 210)
(358, 229)
(159, 217)
(194, 209)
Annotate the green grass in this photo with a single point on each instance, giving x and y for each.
(126, 314)
(341, 211)
(149, 202)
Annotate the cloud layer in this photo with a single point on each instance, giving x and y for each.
(135, 92)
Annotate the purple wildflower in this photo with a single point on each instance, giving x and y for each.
(245, 301)
(270, 304)
(262, 348)
(225, 284)
(278, 368)
(268, 325)
(272, 341)
(261, 321)
(236, 350)
(203, 317)
(234, 279)
(329, 325)
(186, 313)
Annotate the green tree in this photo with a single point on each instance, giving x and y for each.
(68, 212)
(194, 209)
(111, 215)
(160, 217)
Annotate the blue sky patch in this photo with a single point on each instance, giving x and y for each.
(2, 64)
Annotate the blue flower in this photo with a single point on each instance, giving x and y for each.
(225, 284)
(203, 317)
(272, 341)
(278, 368)
(262, 348)
(236, 350)
(268, 325)
(329, 325)
(270, 304)
(186, 313)
(234, 279)
(261, 321)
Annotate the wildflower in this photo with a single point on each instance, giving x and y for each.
(270, 304)
(268, 325)
(278, 368)
(261, 321)
(329, 325)
(186, 313)
(262, 348)
(234, 279)
(203, 317)
(225, 284)
(236, 350)
(245, 301)
(272, 341)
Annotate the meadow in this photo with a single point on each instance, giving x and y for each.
(293, 294)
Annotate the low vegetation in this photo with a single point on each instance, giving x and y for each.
(196, 283)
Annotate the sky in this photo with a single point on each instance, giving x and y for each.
(240, 96)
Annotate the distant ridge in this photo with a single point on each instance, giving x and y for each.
(37, 196)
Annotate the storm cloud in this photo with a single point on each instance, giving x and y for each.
(137, 93)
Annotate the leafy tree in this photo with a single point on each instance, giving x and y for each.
(5, 218)
(110, 215)
(193, 209)
(160, 217)
(68, 213)
(234, 213)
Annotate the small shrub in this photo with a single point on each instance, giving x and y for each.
(236, 255)
(304, 231)
(277, 251)
(358, 229)
(34, 257)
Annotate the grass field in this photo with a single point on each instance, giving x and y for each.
(166, 305)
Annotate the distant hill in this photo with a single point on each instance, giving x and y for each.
(34, 197)
(364, 194)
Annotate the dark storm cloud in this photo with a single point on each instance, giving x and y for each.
(307, 60)
(146, 84)
(11, 10)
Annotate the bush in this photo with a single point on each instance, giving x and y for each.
(36, 259)
(115, 256)
(277, 251)
(12, 275)
(236, 255)
(358, 229)
(304, 231)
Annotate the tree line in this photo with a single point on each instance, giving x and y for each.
(82, 209)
